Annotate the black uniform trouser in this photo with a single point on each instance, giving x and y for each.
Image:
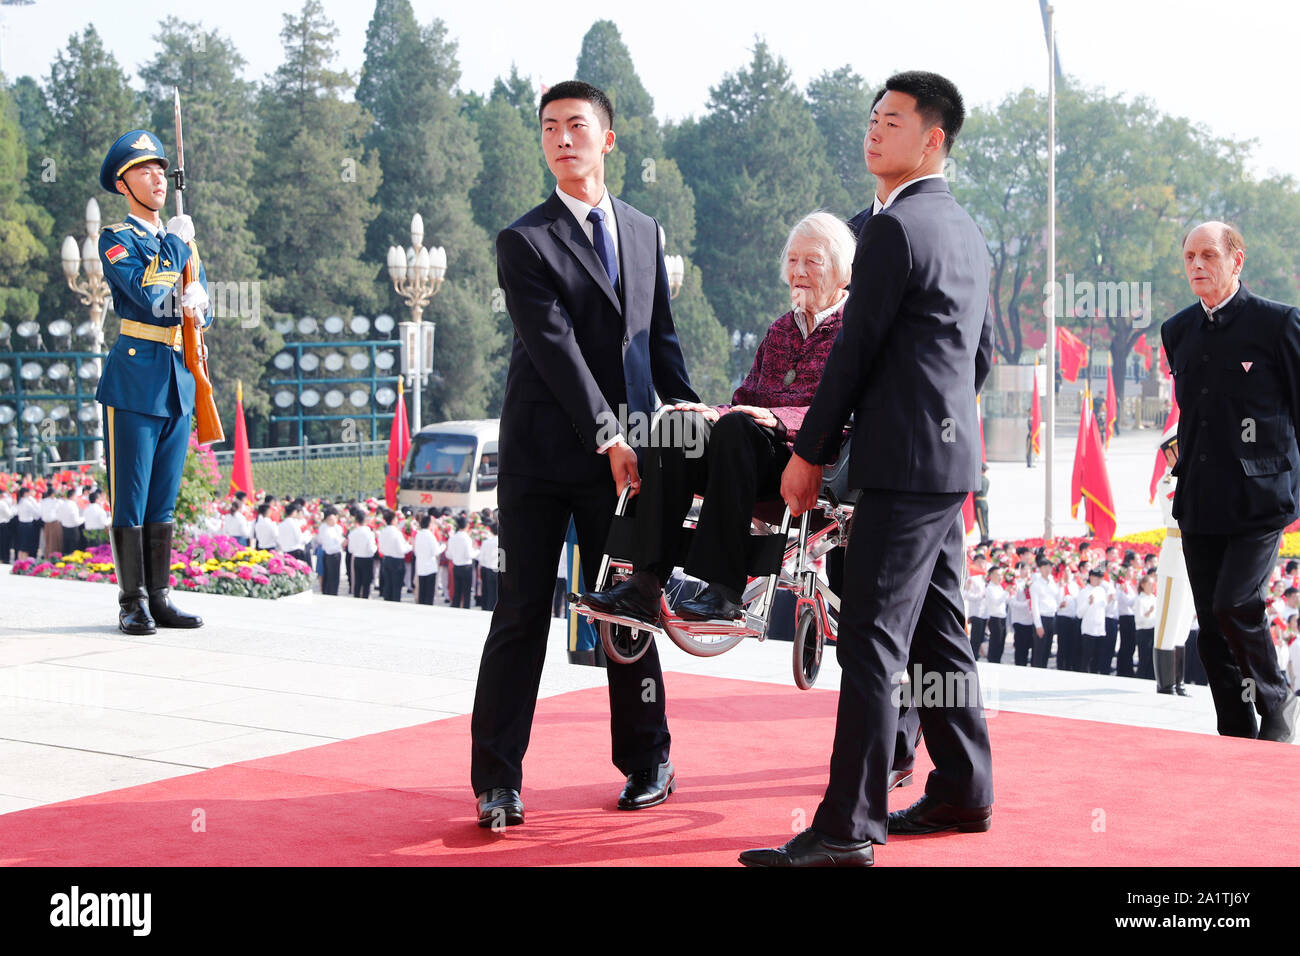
(363, 575)
(1105, 651)
(1023, 635)
(732, 462)
(1127, 645)
(1229, 577)
(462, 586)
(488, 576)
(1146, 642)
(1067, 642)
(1096, 653)
(978, 627)
(902, 611)
(7, 538)
(391, 572)
(329, 573)
(426, 588)
(1042, 646)
(535, 514)
(997, 638)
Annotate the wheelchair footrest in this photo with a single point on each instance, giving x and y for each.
(594, 615)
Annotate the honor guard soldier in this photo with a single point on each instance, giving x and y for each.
(146, 390)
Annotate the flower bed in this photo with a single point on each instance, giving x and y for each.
(213, 564)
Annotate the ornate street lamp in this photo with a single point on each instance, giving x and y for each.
(93, 292)
(417, 275)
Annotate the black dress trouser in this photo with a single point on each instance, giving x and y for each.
(535, 514)
(903, 612)
(1229, 577)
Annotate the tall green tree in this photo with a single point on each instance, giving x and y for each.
(90, 106)
(217, 106)
(509, 185)
(654, 184)
(316, 179)
(430, 160)
(841, 107)
(757, 165)
(24, 226)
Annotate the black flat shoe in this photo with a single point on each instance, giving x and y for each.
(709, 605)
(637, 597)
(648, 788)
(809, 849)
(500, 807)
(928, 815)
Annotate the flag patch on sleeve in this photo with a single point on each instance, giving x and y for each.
(115, 253)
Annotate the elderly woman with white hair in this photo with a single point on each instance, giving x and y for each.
(734, 454)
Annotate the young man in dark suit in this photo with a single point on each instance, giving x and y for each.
(913, 353)
(1236, 364)
(587, 291)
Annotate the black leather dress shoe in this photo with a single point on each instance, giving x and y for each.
(638, 597)
(710, 605)
(1280, 725)
(928, 815)
(648, 788)
(810, 848)
(500, 807)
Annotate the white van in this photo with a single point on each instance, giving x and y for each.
(452, 465)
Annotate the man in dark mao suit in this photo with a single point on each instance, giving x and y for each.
(587, 291)
(1236, 364)
(913, 353)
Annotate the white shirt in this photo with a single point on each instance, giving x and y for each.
(68, 512)
(995, 600)
(801, 317)
(427, 549)
(974, 595)
(49, 509)
(1144, 608)
(460, 549)
(392, 543)
(1125, 598)
(266, 533)
(236, 525)
(1044, 597)
(6, 509)
(1093, 601)
(487, 553)
(95, 517)
(29, 509)
(1112, 609)
(289, 535)
(361, 542)
(1018, 601)
(330, 538)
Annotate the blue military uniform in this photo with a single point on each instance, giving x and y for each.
(148, 396)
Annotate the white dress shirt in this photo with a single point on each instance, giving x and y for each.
(1093, 601)
(361, 542)
(95, 517)
(1045, 598)
(392, 543)
(1144, 611)
(68, 512)
(580, 210)
(460, 549)
(330, 538)
(236, 525)
(29, 509)
(877, 205)
(289, 535)
(995, 600)
(487, 553)
(427, 549)
(266, 532)
(49, 508)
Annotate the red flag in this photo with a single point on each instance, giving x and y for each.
(399, 443)
(1073, 353)
(1143, 348)
(1112, 406)
(1164, 363)
(1171, 429)
(968, 514)
(979, 415)
(1036, 420)
(241, 474)
(1090, 480)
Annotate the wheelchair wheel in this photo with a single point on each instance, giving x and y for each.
(622, 644)
(809, 643)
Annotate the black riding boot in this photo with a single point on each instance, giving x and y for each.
(128, 562)
(158, 567)
(1166, 668)
(1180, 669)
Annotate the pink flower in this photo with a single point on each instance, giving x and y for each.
(261, 579)
(245, 573)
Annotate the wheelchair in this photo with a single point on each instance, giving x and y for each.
(779, 556)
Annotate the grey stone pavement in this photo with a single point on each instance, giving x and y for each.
(85, 709)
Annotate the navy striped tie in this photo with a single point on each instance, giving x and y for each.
(604, 243)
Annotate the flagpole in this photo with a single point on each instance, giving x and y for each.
(1049, 425)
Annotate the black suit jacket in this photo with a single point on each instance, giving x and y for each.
(914, 350)
(582, 351)
(1237, 382)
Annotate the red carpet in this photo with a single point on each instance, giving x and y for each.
(751, 762)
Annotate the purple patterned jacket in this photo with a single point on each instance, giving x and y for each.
(782, 349)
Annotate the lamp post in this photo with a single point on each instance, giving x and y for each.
(676, 274)
(93, 292)
(417, 275)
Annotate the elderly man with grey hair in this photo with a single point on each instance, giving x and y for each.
(735, 454)
(1235, 359)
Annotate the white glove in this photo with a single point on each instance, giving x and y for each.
(195, 298)
(182, 227)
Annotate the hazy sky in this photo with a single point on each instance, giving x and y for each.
(1225, 65)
